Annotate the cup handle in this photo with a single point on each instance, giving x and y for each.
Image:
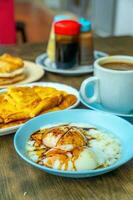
(95, 97)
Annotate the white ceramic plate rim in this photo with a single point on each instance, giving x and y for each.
(59, 86)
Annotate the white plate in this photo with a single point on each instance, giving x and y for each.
(58, 86)
(50, 66)
(34, 72)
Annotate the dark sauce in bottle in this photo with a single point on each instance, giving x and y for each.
(66, 43)
(66, 54)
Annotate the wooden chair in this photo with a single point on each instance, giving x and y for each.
(20, 27)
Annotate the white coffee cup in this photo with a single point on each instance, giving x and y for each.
(112, 88)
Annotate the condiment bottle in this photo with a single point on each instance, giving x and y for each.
(51, 42)
(66, 43)
(86, 54)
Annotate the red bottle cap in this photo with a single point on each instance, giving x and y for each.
(67, 27)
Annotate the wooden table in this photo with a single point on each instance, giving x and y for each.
(19, 181)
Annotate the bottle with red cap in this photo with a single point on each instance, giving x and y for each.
(66, 43)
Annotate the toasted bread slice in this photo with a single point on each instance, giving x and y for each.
(15, 61)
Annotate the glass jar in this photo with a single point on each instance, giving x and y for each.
(86, 52)
(51, 42)
(66, 43)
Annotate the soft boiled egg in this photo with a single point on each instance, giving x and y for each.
(69, 147)
(81, 158)
(63, 137)
(51, 136)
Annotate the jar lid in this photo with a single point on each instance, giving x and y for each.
(67, 27)
(85, 25)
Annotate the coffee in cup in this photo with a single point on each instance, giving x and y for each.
(122, 66)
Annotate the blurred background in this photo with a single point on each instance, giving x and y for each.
(108, 17)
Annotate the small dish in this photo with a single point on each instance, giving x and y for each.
(100, 107)
(33, 71)
(78, 70)
(59, 86)
(119, 127)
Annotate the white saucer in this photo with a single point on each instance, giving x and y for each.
(50, 66)
(100, 107)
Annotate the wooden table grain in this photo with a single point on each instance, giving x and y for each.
(20, 181)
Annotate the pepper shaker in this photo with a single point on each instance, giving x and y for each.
(86, 52)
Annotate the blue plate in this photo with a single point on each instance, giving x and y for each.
(119, 127)
(100, 107)
(50, 66)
